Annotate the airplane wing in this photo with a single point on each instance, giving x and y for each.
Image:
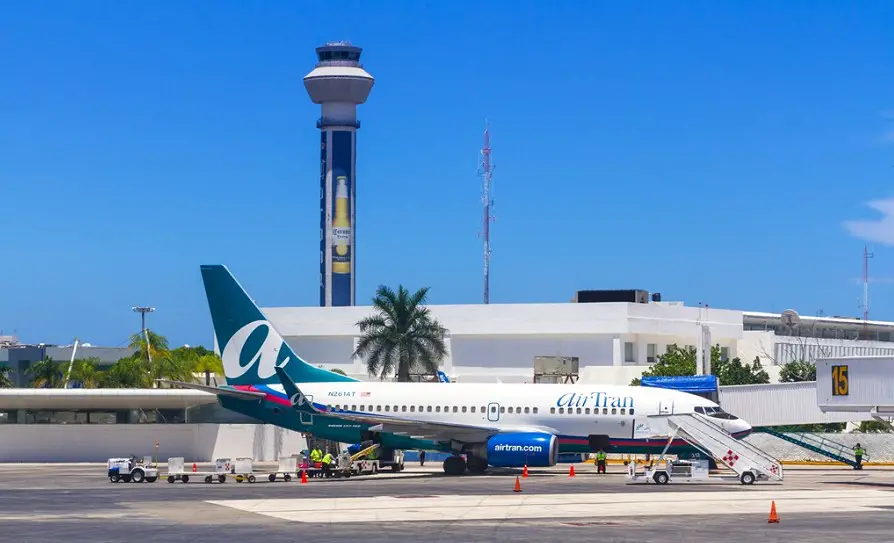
(241, 394)
(402, 425)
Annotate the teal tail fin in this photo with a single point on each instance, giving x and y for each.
(251, 349)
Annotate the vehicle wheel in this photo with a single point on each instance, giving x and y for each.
(138, 476)
(151, 479)
(287, 477)
(661, 478)
(114, 478)
(171, 478)
(125, 478)
(747, 478)
(221, 478)
(271, 477)
(395, 468)
(207, 479)
(251, 478)
(185, 478)
(454, 465)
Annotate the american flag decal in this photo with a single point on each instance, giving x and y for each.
(364, 394)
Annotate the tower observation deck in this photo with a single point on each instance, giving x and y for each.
(339, 84)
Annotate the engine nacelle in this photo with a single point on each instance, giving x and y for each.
(532, 449)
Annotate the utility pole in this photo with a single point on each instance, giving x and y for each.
(142, 311)
(485, 170)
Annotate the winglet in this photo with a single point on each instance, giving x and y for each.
(296, 397)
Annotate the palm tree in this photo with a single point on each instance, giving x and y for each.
(5, 381)
(46, 374)
(402, 336)
(85, 372)
(158, 345)
(208, 364)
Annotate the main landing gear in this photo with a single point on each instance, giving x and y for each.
(457, 465)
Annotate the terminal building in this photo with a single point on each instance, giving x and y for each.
(605, 336)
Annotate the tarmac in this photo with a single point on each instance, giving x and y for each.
(78, 503)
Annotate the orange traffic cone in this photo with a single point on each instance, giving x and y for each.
(304, 477)
(571, 473)
(774, 518)
(517, 486)
(525, 471)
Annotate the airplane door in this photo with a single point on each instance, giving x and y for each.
(493, 412)
(666, 407)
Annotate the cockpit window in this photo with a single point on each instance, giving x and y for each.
(715, 412)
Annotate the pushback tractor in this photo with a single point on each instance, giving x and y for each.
(132, 470)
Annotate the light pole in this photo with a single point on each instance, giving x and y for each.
(142, 311)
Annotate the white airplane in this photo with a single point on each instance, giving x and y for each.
(500, 425)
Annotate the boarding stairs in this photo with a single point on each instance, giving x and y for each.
(740, 456)
(818, 444)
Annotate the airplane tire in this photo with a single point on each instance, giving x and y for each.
(454, 465)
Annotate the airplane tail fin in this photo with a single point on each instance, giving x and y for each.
(251, 349)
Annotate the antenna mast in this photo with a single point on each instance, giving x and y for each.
(866, 256)
(485, 170)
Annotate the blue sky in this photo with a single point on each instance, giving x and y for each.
(714, 152)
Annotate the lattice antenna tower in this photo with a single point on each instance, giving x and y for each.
(485, 171)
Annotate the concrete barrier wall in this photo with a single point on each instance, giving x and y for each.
(97, 443)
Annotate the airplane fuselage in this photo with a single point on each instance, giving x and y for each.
(573, 413)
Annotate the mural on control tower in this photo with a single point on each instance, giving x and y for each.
(336, 218)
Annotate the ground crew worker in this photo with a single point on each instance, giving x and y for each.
(858, 456)
(316, 457)
(327, 465)
(421, 458)
(600, 461)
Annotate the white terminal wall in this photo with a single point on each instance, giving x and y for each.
(500, 341)
(99, 442)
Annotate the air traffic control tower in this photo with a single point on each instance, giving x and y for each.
(338, 83)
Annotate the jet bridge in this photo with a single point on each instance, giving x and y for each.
(862, 384)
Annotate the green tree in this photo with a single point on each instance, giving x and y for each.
(338, 371)
(46, 373)
(873, 427)
(679, 362)
(130, 372)
(208, 363)
(5, 380)
(158, 345)
(797, 371)
(85, 372)
(734, 372)
(402, 336)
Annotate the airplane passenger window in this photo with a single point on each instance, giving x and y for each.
(552, 410)
(379, 408)
(446, 409)
(510, 410)
(526, 410)
(502, 410)
(387, 408)
(579, 410)
(353, 408)
(438, 409)
(587, 411)
(363, 408)
(395, 409)
(473, 409)
(422, 408)
(493, 409)
(518, 410)
(535, 410)
(631, 410)
(455, 409)
(623, 411)
(412, 409)
(482, 409)
(403, 408)
(464, 409)
(614, 411)
(428, 408)
(561, 410)
(605, 410)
